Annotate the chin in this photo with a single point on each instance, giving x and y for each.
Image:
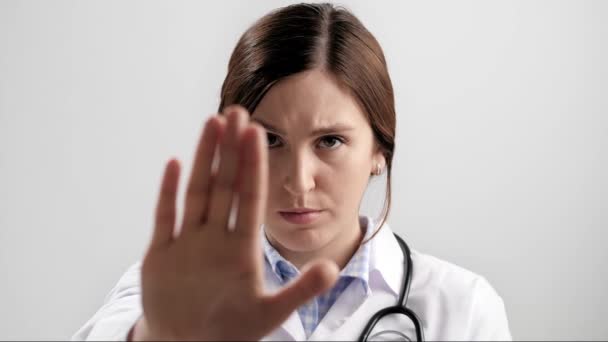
(300, 239)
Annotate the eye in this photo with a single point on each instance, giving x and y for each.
(272, 140)
(331, 141)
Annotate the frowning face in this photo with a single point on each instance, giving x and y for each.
(321, 154)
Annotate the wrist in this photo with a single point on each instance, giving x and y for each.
(139, 331)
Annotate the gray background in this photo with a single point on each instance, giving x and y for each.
(500, 164)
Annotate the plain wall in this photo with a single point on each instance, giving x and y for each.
(500, 164)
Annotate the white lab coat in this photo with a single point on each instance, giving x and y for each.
(452, 303)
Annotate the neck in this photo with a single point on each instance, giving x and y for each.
(339, 250)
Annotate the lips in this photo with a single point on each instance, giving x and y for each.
(301, 216)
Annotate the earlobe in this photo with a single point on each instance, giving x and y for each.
(378, 161)
(377, 168)
(378, 164)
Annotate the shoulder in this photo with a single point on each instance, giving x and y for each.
(458, 297)
(120, 310)
(128, 284)
(442, 275)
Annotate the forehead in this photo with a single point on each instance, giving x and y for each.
(310, 99)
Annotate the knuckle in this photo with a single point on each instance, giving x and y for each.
(250, 195)
(198, 190)
(164, 214)
(224, 182)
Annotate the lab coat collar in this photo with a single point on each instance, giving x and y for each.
(293, 325)
(386, 264)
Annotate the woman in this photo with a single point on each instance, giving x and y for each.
(307, 118)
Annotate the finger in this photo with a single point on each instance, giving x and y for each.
(222, 191)
(197, 192)
(318, 278)
(165, 208)
(252, 182)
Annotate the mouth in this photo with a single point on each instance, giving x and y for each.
(301, 216)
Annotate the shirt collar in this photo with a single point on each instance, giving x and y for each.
(357, 267)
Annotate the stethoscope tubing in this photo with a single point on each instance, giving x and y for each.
(401, 307)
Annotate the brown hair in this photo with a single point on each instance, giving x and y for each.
(302, 37)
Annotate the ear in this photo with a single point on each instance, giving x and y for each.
(378, 159)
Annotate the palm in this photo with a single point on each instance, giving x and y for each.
(207, 283)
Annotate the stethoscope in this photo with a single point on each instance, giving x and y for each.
(401, 307)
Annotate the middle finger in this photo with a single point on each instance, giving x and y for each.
(223, 189)
(201, 178)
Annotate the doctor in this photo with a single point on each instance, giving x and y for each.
(271, 244)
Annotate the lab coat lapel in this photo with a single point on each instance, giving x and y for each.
(292, 328)
(386, 271)
(353, 309)
(353, 324)
(348, 302)
(387, 261)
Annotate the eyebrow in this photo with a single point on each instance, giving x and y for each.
(318, 131)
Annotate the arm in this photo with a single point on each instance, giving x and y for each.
(488, 320)
(195, 285)
(119, 313)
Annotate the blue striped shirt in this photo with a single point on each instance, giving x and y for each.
(356, 270)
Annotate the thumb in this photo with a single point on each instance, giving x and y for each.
(316, 278)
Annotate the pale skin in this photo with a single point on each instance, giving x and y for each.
(197, 283)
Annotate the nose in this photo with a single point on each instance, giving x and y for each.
(299, 176)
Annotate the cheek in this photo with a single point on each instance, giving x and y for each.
(276, 196)
(274, 188)
(346, 180)
(339, 178)
(352, 175)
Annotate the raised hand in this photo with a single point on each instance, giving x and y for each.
(207, 282)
